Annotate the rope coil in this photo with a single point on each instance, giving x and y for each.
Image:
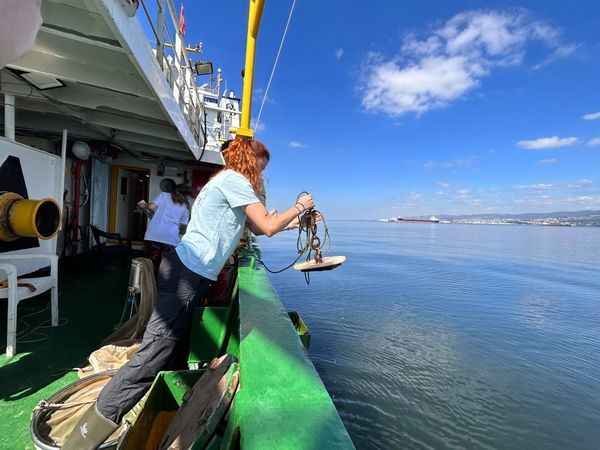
(308, 241)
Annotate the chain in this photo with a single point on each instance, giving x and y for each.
(43, 404)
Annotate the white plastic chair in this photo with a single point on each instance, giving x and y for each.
(44, 176)
(15, 293)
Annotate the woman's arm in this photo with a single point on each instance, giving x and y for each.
(261, 222)
(143, 205)
(147, 208)
(184, 220)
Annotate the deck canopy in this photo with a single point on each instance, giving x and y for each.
(94, 71)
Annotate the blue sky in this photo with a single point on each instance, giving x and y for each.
(387, 108)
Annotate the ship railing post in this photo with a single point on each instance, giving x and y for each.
(178, 65)
(61, 179)
(9, 116)
(161, 28)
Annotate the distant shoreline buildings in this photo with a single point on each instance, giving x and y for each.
(558, 219)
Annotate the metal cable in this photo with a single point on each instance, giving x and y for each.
(287, 25)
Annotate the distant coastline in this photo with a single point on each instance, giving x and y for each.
(556, 219)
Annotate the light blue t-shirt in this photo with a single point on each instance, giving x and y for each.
(216, 224)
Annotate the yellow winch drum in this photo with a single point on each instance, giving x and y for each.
(21, 217)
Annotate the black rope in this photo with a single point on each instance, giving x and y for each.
(280, 270)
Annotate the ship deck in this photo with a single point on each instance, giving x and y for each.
(90, 303)
(282, 404)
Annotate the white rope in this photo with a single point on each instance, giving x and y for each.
(287, 25)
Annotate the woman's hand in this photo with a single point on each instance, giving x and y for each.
(261, 221)
(304, 202)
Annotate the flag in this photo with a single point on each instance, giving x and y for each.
(181, 22)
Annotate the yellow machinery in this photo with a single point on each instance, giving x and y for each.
(319, 262)
(21, 217)
(254, 16)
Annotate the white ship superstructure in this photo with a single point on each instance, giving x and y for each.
(119, 78)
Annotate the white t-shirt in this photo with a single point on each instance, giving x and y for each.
(164, 225)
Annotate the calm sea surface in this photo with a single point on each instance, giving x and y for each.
(456, 336)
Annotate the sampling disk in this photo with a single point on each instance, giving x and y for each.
(327, 263)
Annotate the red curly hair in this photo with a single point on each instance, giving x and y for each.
(241, 155)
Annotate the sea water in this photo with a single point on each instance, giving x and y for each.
(436, 336)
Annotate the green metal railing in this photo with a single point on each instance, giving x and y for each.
(282, 402)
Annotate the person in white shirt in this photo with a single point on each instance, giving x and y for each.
(170, 215)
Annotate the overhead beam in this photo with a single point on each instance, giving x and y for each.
(82, 38)
(144, 139)
(92, 97)
(109, 73)
(77, 17)
(77, 71)
(156, 151)
(85, 96)
(53, 123)
(11, 84)
(134, 125)
(133, 38)
(113, 122)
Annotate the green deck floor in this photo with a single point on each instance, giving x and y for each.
(91, 295)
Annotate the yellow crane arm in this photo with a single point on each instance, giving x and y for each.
(254, 16)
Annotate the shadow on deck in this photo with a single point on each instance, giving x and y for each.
(91, 297)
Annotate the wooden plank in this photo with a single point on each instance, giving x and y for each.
(206, 405)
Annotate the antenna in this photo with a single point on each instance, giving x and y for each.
(219, 81)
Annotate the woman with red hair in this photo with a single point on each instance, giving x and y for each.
(228, 202)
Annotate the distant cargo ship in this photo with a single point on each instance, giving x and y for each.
(432, 219)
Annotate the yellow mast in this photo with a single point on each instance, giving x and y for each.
(254, 16)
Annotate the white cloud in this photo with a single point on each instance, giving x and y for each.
(257, 127)
(594, 142)
(443, 184)
(339, 53)
(296, 144)
(536, 187)
(580, 184)
(591, 116)
(563, 51)
(464, 163)
(259, 95)
(463, 194)
(547, 142)
(548, 161)
(584, 200)
(435, 70)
